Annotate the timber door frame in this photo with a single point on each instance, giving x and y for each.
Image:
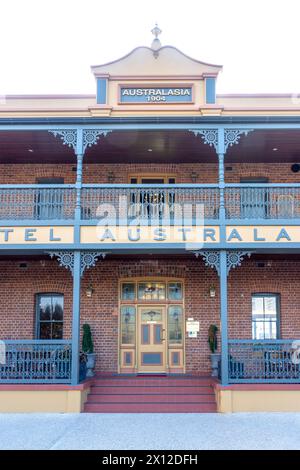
(166, 177)
(175, 351)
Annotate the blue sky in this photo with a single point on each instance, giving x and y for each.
(47, 46)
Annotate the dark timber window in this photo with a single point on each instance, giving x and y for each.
(254, 201)
(265, 316)
(49, 201)
(50, 316)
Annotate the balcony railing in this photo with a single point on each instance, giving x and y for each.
(242, 202)
(260, 201)
(155, 201)
(37, 202)
(265, 361)
(35, 361)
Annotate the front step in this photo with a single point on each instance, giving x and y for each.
(150, 398)
(151, 395)
(129, 390)
(150, 408)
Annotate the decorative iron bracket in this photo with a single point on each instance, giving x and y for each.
(89, 259)
(211, 137)
(232, 136)
(90, 137)
(235, 258)
(68, 137)
(212, 259)
(65, 259)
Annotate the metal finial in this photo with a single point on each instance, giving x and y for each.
(156, 31)
(156, 45)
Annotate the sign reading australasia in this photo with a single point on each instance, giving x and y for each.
(155, 94)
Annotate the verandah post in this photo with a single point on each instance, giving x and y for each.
(79, 156)
(77, 264)
(221, 178)
(76, 318)
(224, 317)
(223, 260)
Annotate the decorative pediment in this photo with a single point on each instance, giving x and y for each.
(165, 61)
(156, 77)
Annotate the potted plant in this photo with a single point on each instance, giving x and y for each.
(88, 349)
(213, 346)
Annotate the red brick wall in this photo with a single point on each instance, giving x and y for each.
(18, 288)
(28, 174)
(97, 173)
(17, 292)
(277, 277)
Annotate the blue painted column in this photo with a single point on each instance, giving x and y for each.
(223, 260)
(221, 154)
(224, 316)
(76, 318)
(79, 155)
(77, 263)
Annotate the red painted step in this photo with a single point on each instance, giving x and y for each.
(150, 408)
(127, 390)
(148, 398)
(148, 394)
(151, 382)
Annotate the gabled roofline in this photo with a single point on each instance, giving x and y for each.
(50, 97)
(157, 51)
(257, 95)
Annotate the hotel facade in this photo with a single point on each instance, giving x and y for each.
(157, 212)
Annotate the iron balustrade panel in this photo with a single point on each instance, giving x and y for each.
(35, 361)
(127, 202)
(262, 201)
(37, 203)
(269, 361)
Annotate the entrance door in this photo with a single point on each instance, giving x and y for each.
(151, 347)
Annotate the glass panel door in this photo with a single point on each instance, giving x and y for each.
(152, 339)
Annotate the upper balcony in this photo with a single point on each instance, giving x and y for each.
(149, 174)
(243, 202)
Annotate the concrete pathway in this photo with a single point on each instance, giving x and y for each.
(150, 431)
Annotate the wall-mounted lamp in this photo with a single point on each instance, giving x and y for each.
(194, 177)
(111, 177)
(89, 291)
(212, 291)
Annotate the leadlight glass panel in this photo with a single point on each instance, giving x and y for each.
(175, 324)
(128, 291)
(128, 324)
(175, 291)
(152, 291)
(151, 315)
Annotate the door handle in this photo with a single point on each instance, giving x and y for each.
(162, 339)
